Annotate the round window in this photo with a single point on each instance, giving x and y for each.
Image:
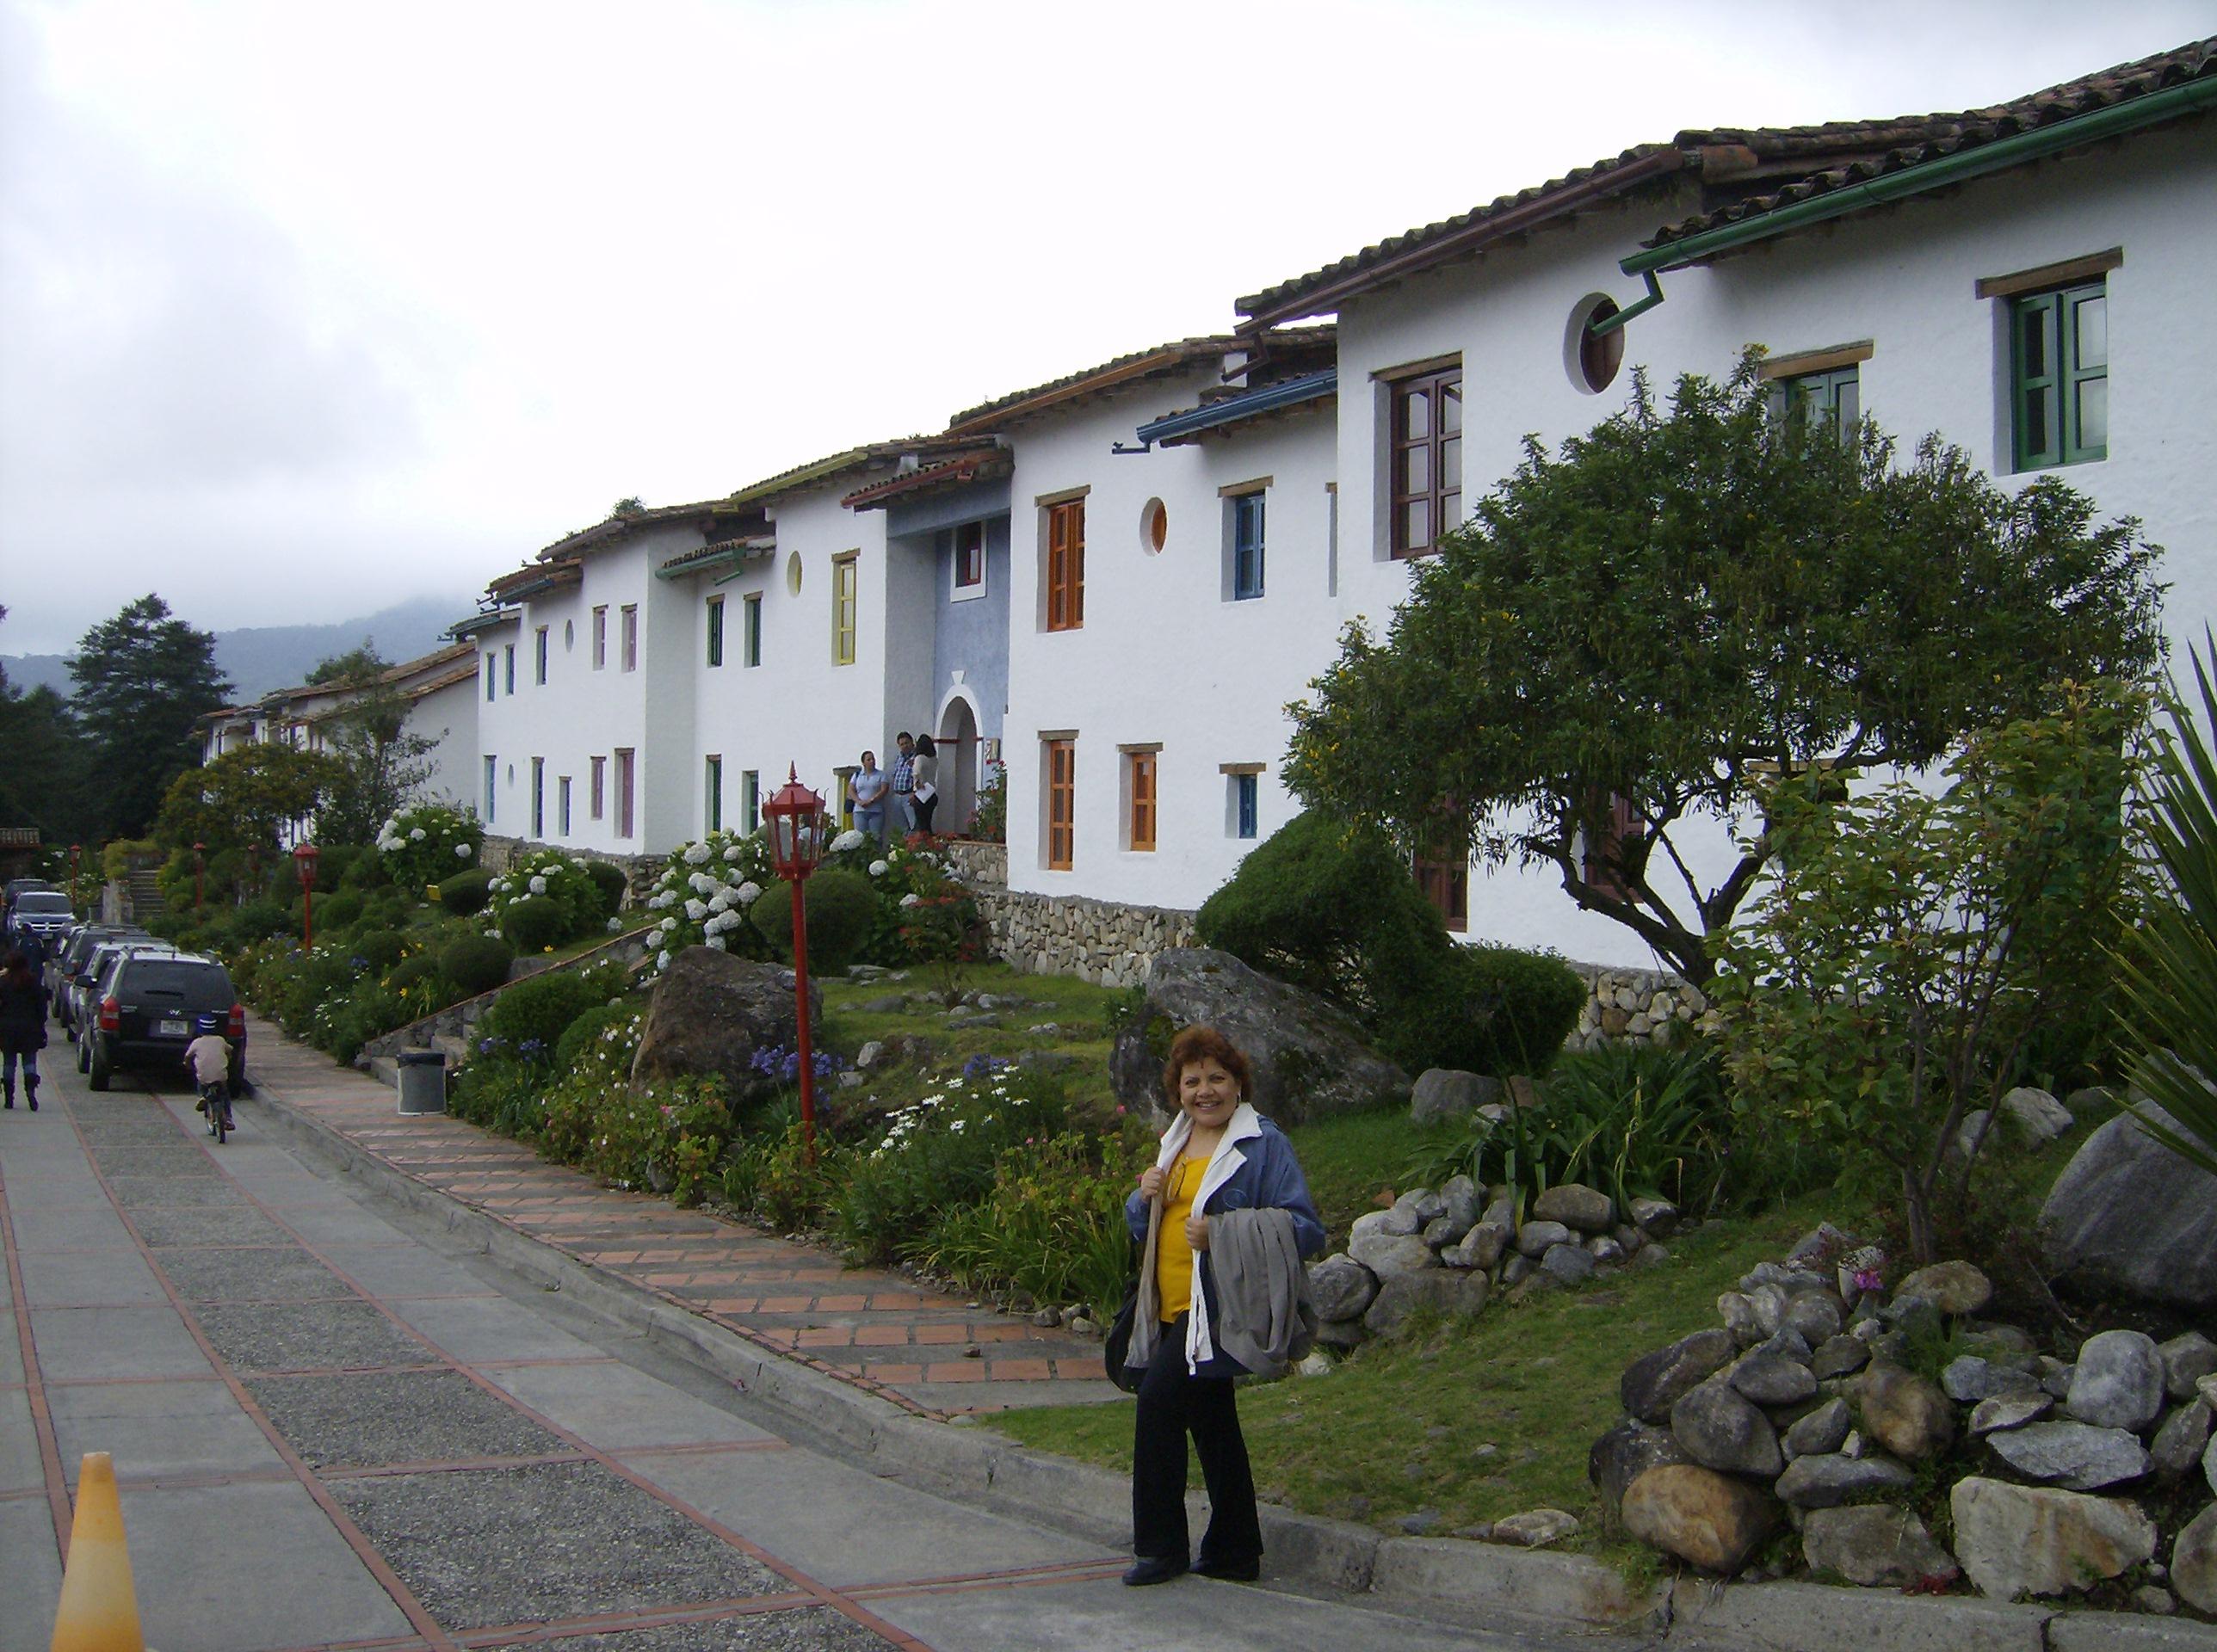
(793, 573)
(1593, 360)
(1154, 528)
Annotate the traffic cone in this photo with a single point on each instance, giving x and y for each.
(99, 1609)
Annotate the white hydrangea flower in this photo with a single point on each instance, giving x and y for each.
(720, 901)
(668, 924)
(695, 910)
(578, 861)
(733, 854)
(663, 961)
(747, 893)
(878, 868)
(615, 926)
(846, 841)
(697, 853)
(539, 886)
(718, 943)
(910, 899)
(461, 851)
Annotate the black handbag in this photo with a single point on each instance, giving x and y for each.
(1119, 1345)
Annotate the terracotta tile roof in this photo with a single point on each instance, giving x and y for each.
(1138, 365)
(601, 534)
(1908, 141)
(750, 544)
(533, 579)
(819, 470)
(979, 463)
(1320, 290)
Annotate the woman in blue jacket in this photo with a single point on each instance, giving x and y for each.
(1219, 1157)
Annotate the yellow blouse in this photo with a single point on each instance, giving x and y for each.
(1173, 1255)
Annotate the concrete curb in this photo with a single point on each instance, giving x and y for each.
(1517, 1588)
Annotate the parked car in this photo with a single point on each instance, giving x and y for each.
(74, 956)
(17, 886)
(85, 988)
(149, 1002)
(41, 912)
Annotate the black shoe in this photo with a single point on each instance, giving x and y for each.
(1160, 1570)
(1229, 1571)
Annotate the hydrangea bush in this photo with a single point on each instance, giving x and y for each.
(702, 896)
(420, 845)
(550, 875)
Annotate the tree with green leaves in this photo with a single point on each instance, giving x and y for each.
(357, 667)
(380, 765)
(244, 798)
(143, 680)
(42, 764)
(1637, 632)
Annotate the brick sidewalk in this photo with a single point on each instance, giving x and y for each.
(935, 1354)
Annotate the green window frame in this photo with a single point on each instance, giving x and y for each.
(713, 790)
(2059, 376)
(750, 631)
(1834, 396)
(715, 631)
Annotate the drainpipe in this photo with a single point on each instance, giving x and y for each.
(2171, 103)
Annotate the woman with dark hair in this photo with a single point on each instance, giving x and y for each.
(925, 799)
(22, 1025)
(1226, 1218)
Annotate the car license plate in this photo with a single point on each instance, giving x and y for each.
(171, 1029)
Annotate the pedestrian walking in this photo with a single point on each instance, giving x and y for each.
(904, 782)
(924, 773)
(1226, 1187)
(866, 790)
(22, 1025)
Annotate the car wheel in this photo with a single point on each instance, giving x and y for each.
(97, 1070)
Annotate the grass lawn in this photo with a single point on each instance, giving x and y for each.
(1471, 1421)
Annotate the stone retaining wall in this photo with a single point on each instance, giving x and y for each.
(976, 863)
(1101, 941)
(640, 870)
(1633, 1006)
(456, 1020)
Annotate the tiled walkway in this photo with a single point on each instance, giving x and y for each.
(934, 1354)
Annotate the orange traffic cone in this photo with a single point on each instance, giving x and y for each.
(99, 1609)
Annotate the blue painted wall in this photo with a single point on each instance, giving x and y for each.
(973, 635)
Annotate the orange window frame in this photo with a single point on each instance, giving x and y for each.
(1143, 799)
(1061, 804)
(1066, 565)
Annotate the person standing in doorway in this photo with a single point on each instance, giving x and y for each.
(866, 790)
(904, 782)
(926, 770)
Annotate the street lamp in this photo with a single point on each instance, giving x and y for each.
(200, 877)
(304, 860)
(797, 832)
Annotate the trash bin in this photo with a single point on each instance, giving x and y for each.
(422, 1080)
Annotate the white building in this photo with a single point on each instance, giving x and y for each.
(1122, 577)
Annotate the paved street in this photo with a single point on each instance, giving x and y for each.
(336, 1428)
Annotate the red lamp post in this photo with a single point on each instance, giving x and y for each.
(797, 833)
(304, 860)
(200, 877)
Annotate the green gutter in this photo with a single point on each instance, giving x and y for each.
(1964, 164)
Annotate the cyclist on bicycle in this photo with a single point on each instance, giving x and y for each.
(209, 1058)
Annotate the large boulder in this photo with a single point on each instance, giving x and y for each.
(1443, 1290)
(2128, 1214)
(1310, 1061)
(1450, 1093)
(1623, 1454)
(1874, 1545)
(1575, 1206)
(2016, 1540)
(1341, 1287)
(1707, 1520)
(711, 1012)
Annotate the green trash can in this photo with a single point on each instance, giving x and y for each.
(422, 1080)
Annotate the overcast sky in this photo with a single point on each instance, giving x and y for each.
(306, 307)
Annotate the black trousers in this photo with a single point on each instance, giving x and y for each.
(1173, 1405)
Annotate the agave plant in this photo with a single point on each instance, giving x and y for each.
(2170, 964)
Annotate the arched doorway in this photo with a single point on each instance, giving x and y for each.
(958, 768)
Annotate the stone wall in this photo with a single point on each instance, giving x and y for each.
(456, 1020)
(639, 870)
(1101, 941)
(976, 864)
(1633, 1006)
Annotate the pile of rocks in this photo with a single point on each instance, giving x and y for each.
(1821, 1403)
(1447, 1249)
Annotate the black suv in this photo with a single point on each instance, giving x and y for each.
(145, 1019)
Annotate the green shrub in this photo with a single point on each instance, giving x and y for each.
(608, 878)
(411, 971)
(466, 893)
(380, 948)
(1053, 1224)
(421, 845)
(588, 1026)
(369, 1009)
(533, 925)
(532, 1015)
(476, 964)
(333, 862)
(1485, 1009)
(365, 871)
(1330, 906)
(337, 911)
(387, 906)
(559, 880)
(842, 911)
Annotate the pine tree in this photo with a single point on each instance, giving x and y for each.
(143, 679)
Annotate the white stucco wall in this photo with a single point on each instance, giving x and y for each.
(1163, 656)
(1902, 278)
(448, 718)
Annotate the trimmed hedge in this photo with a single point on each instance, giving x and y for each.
(476, 964)
(841, 910)
(379, 948)
(466, 893)
(1487, 1009)
(610, 879)
(532, 1015)
(339, 911)
(587, 1027)
(534, 924)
